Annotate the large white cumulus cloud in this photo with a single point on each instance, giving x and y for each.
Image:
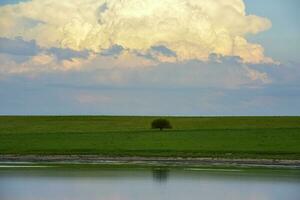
(192, 29)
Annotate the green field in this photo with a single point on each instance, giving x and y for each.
(233, 137)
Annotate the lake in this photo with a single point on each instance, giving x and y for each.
(146, 184)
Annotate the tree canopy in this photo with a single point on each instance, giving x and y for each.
(161, 124)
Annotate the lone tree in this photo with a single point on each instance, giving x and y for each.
(161, 124)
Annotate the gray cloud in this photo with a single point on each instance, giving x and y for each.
(31, 98)
(218, 87)
(103, 8)
(224, 73)
(18, 46)
(115, 50)
(20, 50)
(67, 54)
(163, 50)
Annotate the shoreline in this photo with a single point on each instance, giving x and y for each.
(151, 161)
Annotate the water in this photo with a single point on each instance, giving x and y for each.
(145, 184)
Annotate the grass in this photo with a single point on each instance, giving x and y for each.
(229, 137)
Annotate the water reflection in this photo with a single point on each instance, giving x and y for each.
(160, 174)
(145, 184)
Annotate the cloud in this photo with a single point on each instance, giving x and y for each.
(140, 57)
(94, 99)
(101, 85)
(192, 29)
(79, 94)
(18, 46)
(226, 72)
(115, 50)
(157, 66)
(158, 54)
(256, 75)
(18, 56)
(67, 54)
(163, 50)
(283, 74)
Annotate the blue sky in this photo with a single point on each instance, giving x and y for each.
(75, 59)
(283, 39)
(5, 2)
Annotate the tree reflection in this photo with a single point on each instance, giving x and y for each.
(160, 174)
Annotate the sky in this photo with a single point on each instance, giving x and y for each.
(164, 57)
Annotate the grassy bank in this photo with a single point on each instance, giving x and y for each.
(236, 137)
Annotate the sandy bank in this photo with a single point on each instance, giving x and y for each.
(169, 161)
